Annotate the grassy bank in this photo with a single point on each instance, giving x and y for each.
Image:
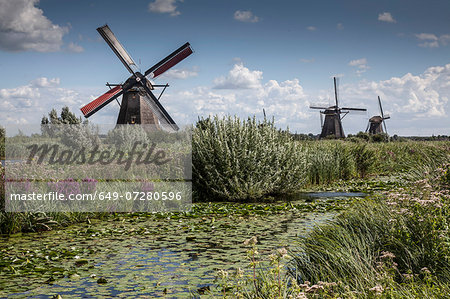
(393, 245)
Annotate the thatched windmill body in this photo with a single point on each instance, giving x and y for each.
(332, 125)
(376, 123)
(139, 104)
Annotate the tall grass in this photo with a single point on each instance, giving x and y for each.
(389, 243)
(329, 161)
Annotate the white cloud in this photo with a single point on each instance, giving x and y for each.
(304, 60)
(19, 94)
(245, 16)
(412, 97)
(386, 17)
(433, 44)
(23, 27)
(236, 60)
(340, 26)
(45, 82)
(239, 77)
(180, 73)
(418, 104)
(426, 36)
(311, 28)
(164, 6)
(360, 65)
(285, 100)
(358, 62)
(430, 40)
(444, 39)
(33, 100)
(72, 47)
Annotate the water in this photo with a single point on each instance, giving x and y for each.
(147, 257)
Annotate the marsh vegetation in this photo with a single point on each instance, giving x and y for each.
(247, 175)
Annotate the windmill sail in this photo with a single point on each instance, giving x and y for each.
(161, 113)
(335, 92)
(382, 115)
(101, 101)
(170, 61)
(354, 109)
(117, 47)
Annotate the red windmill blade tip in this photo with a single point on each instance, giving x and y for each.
(169, 61)
(172, 62)
(101, 101)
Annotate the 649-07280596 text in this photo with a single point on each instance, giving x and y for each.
(102, 196)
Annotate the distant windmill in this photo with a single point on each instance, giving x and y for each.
(375, 125)
(139, 104)
(333, 119)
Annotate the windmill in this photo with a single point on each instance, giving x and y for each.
(375, 125)
(139, 104)
(332, 125)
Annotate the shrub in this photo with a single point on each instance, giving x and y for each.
(125, 136)
(363, 135)
(381, 137)
(244, 160)
(79, 136)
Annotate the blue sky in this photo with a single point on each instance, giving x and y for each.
(249, 55)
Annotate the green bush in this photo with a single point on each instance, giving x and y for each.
(363, 135)
(380, 137)
(79, 136)
(244, 160)
(125, 136)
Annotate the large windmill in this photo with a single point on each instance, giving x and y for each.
(332, 125)
(139, 104)
(375, 125)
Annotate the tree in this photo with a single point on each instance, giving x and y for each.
(69, 129)
(66, 117)
(48, 124)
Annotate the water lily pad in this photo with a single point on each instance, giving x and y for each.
(102, 280)
(81, 262)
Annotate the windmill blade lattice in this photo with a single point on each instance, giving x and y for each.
(117, 47)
